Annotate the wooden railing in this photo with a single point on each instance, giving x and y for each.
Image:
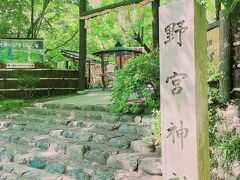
(49, 82)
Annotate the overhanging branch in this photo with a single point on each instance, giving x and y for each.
(112, 8)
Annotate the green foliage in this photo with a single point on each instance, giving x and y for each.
(224, 143)
(156, 128)
(54, 57)
(140, 78)
(7, 104)
(223, 136)
(229, 6)
(27, 83)
(213, 77)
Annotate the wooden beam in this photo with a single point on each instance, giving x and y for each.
(113, 7)
(82, 48)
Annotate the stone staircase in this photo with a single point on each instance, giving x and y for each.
(52, 141)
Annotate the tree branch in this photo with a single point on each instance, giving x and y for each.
(63, 43)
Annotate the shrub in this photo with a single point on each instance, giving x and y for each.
(140, 78)
(156, 128)
(2, 65)
(27, 83)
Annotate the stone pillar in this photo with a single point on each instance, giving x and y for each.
(184, 103)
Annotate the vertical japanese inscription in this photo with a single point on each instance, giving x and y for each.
(175, 29)
(176, 80)
(183, 91)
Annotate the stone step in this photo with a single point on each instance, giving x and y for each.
(98, 107)
(78, 127)
(87, 140)
(86, 152)
(113, 142)
(79, 114)
(14, 171)
(126, 162)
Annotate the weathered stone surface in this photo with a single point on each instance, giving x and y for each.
(32, 175)
(57, 133)
(36, 163)
(103, 176)
(85, 137)
(144, 130)
(121, 175)
(56, 167)
(14, 139)
(21, 158)
(6, 156)
(236, 171)
(101, 107)
(232, 178)
(76, 152)
(98, 155)
(142, 147)
(151, 166)
(146, 120)
(78, 174)
(87, 107)
(4, 137)
(68, 134)
(184, 105)
(99, 139)
(61, 148)
(124, 161)
(74, 124)
(4, 124)
(42, 144)
(138, 120)
(127, 118)
(20, 170)
(112, 118)
(109, 127)
(126, 129)
(44, 130)
(119, 142)
(8, 168)
(18, 127)
(144, 178)
(93, 116)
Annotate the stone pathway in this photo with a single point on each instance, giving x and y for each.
(73, 138)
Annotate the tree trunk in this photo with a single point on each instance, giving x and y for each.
(225, 58)
(155, 23)
(33, 27)
(218, 9)
(32, 18)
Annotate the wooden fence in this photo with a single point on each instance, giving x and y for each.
(15, 83)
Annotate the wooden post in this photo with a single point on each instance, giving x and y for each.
(82, 48)
(121, 63)
(103, 72)
(184, 101)
(225, 58)
(155, 23)
(89, 73)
